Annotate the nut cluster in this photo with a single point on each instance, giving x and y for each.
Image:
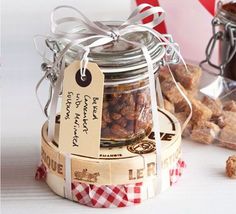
(126, 114)
(231, 167)
(213, 120)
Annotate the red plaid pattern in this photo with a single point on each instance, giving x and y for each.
(41, 172)
(105, 196)
(176, 172)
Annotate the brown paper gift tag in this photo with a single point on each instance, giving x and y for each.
(81, 110)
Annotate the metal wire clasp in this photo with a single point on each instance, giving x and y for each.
(221, 31)
(171, 56)
(50, 72)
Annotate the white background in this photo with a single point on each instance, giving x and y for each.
(203, 188)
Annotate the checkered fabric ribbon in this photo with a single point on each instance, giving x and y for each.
(41, 172)
(106, 196)
(176, 171)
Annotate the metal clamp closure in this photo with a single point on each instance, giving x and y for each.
(221, 32)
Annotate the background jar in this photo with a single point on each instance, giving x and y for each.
(227, 16)
(126, 114)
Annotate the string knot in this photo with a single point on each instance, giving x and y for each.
(115, 34)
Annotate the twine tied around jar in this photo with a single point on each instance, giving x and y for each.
(86, 34)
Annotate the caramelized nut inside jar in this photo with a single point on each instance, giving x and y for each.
(126, 115)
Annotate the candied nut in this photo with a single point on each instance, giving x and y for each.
(229, 118)
(104, 124)
(192, 92)
(117, 108)
(219, 121)
(116, 95)
(205, 132)
(132, 116)
(114, 99)
(189, 79)
(129, 99)
(127, 110)
(231, 167)
(141, 125)
(214, 105)
(122, 122)
(141, 98)
(115, 116)
(228, 137)
(106, 116)
(214, 128)
(200, 111)
(164, 74)
(182, 89)
(169, 106)
(202, 136)
(230, 106)
(182, 106)
(120, 131)
(171, 92)
(126, 87)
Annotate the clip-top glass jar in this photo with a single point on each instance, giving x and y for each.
(126, 115)
(227, 16)
(224, 31)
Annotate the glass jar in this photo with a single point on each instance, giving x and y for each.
(126, 114)
(227, 16)
(224, 32)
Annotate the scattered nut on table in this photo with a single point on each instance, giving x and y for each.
(231, 167)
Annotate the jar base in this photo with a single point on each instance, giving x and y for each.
(106, 142)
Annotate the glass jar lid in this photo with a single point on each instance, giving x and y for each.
(120, 59)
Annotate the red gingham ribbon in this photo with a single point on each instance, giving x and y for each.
(105, 196)
(41, 172)
(176, 172)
